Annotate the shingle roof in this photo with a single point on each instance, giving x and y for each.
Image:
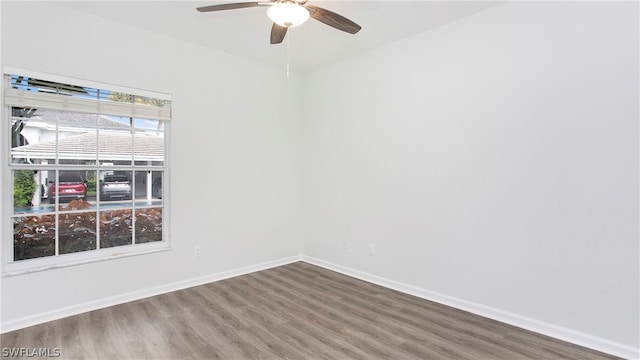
(115, 146)
(77, 120)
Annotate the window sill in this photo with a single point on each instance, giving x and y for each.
(29, 266)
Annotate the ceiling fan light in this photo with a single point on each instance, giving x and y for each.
(287, 14)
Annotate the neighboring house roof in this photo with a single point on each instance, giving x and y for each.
(77, 120)
(110, 146)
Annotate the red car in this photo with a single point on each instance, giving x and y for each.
(71, 187)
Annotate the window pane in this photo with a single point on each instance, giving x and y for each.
(30, 191)
(116, 187)
(148, 185)
(158, 188)
(115, 228)
(77, 232)
(148, 225)
(116, 141)
(32, 136)
(77, 138)
(70, 188)
(149, 142)
(34, 237)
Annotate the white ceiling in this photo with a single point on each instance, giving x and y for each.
(246, 32)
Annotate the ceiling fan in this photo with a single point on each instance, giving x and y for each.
(290, 13)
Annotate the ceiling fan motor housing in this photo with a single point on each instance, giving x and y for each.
(288, 13)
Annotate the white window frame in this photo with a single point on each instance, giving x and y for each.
(12, 268)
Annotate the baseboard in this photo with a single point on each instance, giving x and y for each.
(558, 332)
(139, 294)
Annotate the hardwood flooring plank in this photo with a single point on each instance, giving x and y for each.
(109, 344)
(295, 311)
(71, 339)
(359, 332)
(271, 344)
(226, 313)
(166, 304)
(549, 347)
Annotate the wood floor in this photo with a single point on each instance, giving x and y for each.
(296, 311)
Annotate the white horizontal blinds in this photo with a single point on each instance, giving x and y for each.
(39, 93)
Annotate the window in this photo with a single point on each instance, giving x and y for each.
(87, 165)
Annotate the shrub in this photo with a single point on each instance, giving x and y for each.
(24, 186)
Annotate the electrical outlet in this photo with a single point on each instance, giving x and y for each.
(345, 243)
(372, 249)
(197, 251)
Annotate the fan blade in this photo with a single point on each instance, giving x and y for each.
(332, 19)
(227, 6)
(277, 33)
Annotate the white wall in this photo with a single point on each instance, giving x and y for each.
(231, 125)
(493, 160)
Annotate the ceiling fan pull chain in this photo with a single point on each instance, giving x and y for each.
(288, 37)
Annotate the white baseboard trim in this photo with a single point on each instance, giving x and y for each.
(138, 294)
(558, 332)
